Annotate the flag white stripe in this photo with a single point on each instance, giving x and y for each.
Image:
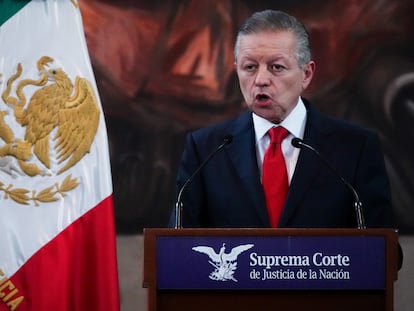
(46, 28)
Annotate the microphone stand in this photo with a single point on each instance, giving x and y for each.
(298, 143)
(360, 215)
(179, 204)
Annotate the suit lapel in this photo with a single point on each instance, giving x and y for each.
(242, 153)
(316, 134)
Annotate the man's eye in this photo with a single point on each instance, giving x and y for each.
(249, 67)
(277, 67)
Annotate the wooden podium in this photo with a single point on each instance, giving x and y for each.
(270, 269)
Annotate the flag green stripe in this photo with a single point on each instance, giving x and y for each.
(10, 7)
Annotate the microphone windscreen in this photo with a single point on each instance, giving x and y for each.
(296, 142)
(227, 139)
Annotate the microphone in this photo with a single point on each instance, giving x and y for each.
(298, 143)
(227, 139)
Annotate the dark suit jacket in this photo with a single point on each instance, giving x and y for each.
(227, 192)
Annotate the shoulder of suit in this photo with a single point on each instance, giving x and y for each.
(332, 123)
(228, 126)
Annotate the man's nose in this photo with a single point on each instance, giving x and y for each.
(263, 76)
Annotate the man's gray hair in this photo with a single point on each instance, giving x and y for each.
(271, 20)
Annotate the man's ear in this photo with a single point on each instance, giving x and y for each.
(308, 72)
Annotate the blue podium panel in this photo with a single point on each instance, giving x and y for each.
(271, 262)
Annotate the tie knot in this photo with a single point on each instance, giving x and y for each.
(277, 134)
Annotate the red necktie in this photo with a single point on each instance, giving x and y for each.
(274, 175)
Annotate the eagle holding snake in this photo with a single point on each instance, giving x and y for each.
(60, 108)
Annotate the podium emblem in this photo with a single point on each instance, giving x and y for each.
(225, 264)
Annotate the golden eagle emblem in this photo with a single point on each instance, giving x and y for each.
(61, 118)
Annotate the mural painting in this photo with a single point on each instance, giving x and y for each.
(164, 68)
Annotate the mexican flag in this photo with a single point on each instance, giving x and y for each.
(57, 236)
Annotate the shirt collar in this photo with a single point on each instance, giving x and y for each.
(294, 122)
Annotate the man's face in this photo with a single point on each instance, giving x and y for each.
(270, 78)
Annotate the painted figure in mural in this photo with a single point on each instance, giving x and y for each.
(274, 66)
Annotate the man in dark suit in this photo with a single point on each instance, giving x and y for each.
(274, 66)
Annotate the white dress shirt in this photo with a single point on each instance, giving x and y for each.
(295, 123)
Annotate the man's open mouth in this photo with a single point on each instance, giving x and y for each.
(262, 97)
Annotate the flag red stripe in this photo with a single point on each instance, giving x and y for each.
(76, 271)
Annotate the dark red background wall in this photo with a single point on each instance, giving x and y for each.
(164, 68)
